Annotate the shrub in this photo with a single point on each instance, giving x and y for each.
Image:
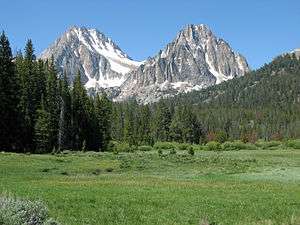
(237, 145)
(123, 147)
(112, 146)
(15, 211)
(160, 152)
(145, 148)
(109, 169)
(295, 144)
(164, 145)
(221, 137)
(183, 146)
(213, 146)
(268, 144)
(191, 150)
(172, 151)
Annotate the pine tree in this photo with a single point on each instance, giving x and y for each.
(103, 108)
(163, 121)
(80, 116)
(129, 125)
(64, 131)
(52, 103)
(144, 129)
(9, 114)
(42, 130)
(29, 103)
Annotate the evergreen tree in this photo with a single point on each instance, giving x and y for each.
(80, 120)
(52, 103)
(9, 114)
(64, 131)
(28, 97)
(163, 121)
(103, 109)
(144, 128)
(129, 125)
(42, 130)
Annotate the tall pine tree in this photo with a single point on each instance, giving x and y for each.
(9, 114)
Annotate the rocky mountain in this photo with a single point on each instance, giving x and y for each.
(195, 59)
(101, 62)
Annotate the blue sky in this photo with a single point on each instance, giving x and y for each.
(259, 29)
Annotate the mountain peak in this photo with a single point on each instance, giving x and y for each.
(195, 59)
(101, 62)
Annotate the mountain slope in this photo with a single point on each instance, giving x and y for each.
(195, 59)
(101, 62)
(275, 84)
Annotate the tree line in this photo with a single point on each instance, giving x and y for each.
(41, 111)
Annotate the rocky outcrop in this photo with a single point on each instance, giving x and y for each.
(195, 59)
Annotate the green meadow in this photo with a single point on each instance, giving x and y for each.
(211, 187)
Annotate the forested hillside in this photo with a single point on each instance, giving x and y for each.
(264, 104)
(41, 112)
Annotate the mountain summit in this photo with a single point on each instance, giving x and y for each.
(195, 59)
(101, 62)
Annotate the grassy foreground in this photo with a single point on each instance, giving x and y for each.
(233, 187)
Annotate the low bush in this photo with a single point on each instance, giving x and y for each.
(213, 146)
(164, 145)
(145, 148)
(295, 144)
(15, 211)
(123, 147)
(268, 144)
(172, 151)
(183, 146)
(160, 152)
(237, 145)
(191, 150)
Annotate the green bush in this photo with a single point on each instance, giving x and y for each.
(172, 151)
(160, 152)
(221, 137)
(191, 150)
(183, 146)
(123, 147)
(199, 147)
(268, 144)
(295, 144)
(145, 148)
(164, 145)
(112, 146)
(237, 145)
(213, 146)
(15, 211)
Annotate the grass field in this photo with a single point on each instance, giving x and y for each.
(233, 187)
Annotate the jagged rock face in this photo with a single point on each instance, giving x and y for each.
(195, 59)
(101, 62)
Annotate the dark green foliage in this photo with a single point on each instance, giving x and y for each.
(145, 148)
(64, 131)
(103, 110)
(52, 104)
(213, 146)
(9, 99)
(191, 150)
(293, 144)
(42, 130)
(164, 145)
